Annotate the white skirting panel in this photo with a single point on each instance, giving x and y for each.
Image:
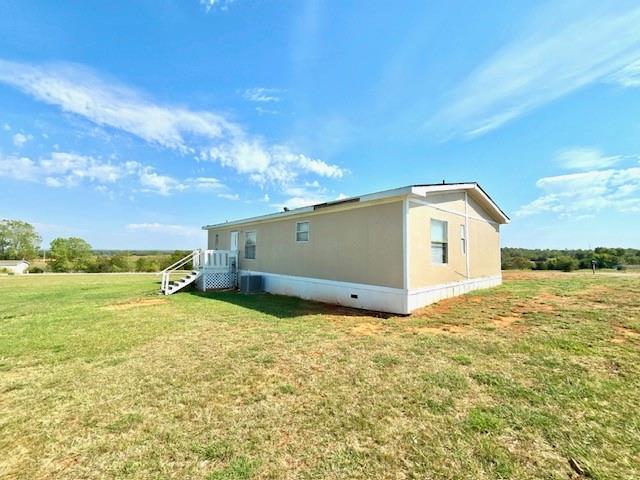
(369, 297)
(357, 295)
(424, 296)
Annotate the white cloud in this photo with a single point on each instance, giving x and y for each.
(161, 184)
(19, 139)
(298, 202)
(629, 76)
(79, 90)
(564, 47)
(581, 158)
(18, 168)
(270, 164)
(216, 4)
(587, 192)
(229, 196)
(261, 94)
(6, 127)
(307, 195)
(266, 111)
(207, 183)
(63, 169)
(167, 229)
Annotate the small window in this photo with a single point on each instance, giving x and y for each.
(250, 245)
(463, 239)
(302, 232)
(216, 245)
(439, 243)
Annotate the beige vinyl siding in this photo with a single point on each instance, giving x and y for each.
(483, 242)
(359, 245)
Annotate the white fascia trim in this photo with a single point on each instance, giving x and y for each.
(370, 197)
(333, 283)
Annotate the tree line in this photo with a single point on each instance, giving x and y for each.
(569, 260)
(20, 240)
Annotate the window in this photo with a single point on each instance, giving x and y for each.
(463, 240)
(216, 245)
(302, 232)
(250, 245)
(439, 241)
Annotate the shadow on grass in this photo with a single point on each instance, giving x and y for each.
(281, 306)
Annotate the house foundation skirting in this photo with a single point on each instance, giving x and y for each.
(369, 297)
(420, 297)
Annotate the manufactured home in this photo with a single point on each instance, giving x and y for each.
(391, 251)
(17, 267)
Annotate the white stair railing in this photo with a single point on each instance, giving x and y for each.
(166, 273)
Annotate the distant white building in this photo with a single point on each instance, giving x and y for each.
(18, 267)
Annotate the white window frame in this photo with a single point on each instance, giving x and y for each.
(308, 232)
(255, 246)
(463, 239)
(445, 244)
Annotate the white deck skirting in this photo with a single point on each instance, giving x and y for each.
(369, 297)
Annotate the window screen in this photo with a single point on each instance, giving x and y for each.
(302, 232)
(439, 242)
(250, 245)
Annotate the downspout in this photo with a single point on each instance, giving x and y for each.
(466, 232)
(405, 253)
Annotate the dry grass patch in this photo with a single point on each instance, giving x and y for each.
(143, 302)
(225, 386)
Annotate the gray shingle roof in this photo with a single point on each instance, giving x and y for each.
(11, 263)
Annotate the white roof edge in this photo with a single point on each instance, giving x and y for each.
(394, 192)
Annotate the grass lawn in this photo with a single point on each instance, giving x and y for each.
(102, 378)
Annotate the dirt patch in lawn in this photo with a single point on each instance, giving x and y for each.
(623, 334)
(438, 329)
(531, 274)
(366, 329)
(542, 303)
(145, 302)
(444, 306)
(503, 322)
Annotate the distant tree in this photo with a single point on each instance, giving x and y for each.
(174, 257)
(565, 263)
(121, 262)
(521, 263)
(70, 255)
(100, 264)
(148, 264)
(18, 240)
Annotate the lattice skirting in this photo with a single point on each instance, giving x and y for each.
(216, 281)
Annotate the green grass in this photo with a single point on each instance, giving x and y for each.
(102, 378)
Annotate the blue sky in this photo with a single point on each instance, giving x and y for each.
(131, 124)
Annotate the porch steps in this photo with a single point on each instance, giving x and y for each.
(174, 286)
(213, 269)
